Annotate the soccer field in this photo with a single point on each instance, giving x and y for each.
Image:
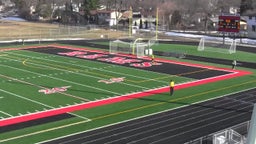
(55, 86)
(42, 81)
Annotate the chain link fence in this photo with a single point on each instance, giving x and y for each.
(59, 32)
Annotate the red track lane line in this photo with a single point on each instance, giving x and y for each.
(38, 115)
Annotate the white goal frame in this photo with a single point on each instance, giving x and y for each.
(118, 46)
(138, 47)
(213, 45)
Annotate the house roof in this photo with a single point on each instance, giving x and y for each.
(126, 14)
(95, 12)
(105, 11)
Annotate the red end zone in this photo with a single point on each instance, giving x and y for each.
(34, 116)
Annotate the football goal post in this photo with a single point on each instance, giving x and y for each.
(213, 45)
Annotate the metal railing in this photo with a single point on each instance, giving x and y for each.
(232, 135)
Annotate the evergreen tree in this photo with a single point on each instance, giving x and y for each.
(146, 24)
(176, 18)
(89, 5)
(140, 24)
(245, 6)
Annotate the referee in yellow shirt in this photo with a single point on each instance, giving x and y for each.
(152, 59)
(171, 87)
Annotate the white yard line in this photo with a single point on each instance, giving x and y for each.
(23, 97)
(6, 114)
(132, 85)
(45, 105)
(37, 101)
(43, 131)
(21, 81)
(71, 82)
(90, 68)
(82, 117)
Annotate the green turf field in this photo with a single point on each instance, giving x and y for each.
(25, 73)
(33, 82)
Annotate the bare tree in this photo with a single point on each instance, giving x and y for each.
(166, 8)
(23, 7)
(247, 7)
(203, 9)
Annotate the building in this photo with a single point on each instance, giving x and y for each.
(251, 25)
(109, 17)
(146, 20)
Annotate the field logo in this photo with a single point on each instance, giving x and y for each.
(54, 90)
(133, 62)
(73, 53)
(119, 60)
(145, 64)
(112, 80)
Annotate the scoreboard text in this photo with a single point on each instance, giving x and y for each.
(229, 23)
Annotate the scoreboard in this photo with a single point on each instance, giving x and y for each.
(229, 23)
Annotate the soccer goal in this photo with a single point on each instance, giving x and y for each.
(153, 41)
(136, 47)
(119, 46)
(213, 45)
(139, 47)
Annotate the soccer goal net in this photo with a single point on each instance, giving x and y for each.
(140, 49)
(118, 46)
(212, 45)
(137, 47)
(152, 41)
